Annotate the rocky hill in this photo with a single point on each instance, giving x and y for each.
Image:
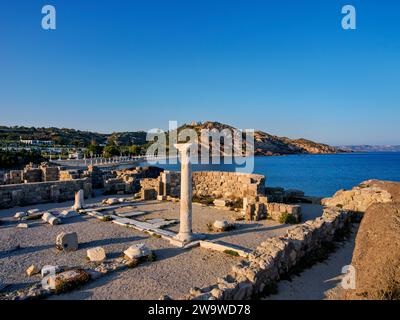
(61, 136)
(265, 144)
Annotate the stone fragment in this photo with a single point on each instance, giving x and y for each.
(137, 251)
(221, 225)
(33, 211)
(48, 269)
(161, 198)
(217, 293)
(68, 214)
(67, 241)
(49, 218)
(97, 254)
(32, 270)
(20, 215)
(23, 225)
(66, 281)
(219, 203)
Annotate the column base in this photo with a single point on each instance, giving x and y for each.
(181, 240)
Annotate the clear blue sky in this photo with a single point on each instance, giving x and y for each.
(285, 67)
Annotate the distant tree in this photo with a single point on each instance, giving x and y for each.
(134, 150)
(94, 149)
(18, 159)
(111, 150)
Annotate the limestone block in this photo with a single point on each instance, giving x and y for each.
(32, 270)
(68, 214)
(33, 211)
(222, 225)
(20, 215)
(49, 269)
(219, 203)
(23, 225)
(67, 279)
(49, 218)
(67, 241)
(97, 254)
(137, 251)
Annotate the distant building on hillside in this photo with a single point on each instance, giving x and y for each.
(37, 142)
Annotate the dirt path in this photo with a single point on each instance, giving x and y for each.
(322, 281)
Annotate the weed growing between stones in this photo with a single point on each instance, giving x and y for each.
(231, 253)
(203, 200)
(37, 217)
(106, 219)
(287, 218)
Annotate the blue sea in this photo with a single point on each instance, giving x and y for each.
(319, 175)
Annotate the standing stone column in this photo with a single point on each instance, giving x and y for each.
(79, 200)
(185, 227)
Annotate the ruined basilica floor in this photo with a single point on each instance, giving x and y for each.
(173, 273)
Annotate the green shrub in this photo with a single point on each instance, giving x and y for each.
(231, 253)
(287, 218)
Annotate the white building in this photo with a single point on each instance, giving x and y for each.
(37, 142)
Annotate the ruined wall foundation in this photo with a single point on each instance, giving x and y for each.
(41, 192)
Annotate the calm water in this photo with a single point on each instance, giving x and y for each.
(319, 175)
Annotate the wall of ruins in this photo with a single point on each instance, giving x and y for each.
(275, 257)
(128, 180)
(41, 192)
(215, 184)
(31, 173)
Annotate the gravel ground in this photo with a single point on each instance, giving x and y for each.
(174, 273)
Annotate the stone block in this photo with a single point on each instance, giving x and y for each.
(137, 251)
(97, 254)
(67, 241)
(219, 203)
(32, 270)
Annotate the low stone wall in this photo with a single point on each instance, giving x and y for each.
(359, 198)
(66, 175)
(32, 173)
(41, 192)
(13, 177)
(277, 211)
(215, 184)
(149, 188)
(274, 257)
